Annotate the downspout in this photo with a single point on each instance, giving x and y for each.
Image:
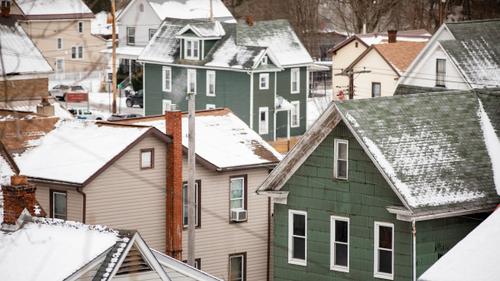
(414, 238)
(274, 113)
(268, 271)
(251, 99)
(84, 211)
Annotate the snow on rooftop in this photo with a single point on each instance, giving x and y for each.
(476, 257)
(51, 249)
(52, 7)
(492, 144)
(190, 9)
(100, 25)
(231, 55)
(75, 150)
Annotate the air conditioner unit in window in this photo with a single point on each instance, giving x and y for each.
(238, 215)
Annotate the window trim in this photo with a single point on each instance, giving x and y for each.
(292, 71)
(60, 39)
(335, 159)
(128, 35)
(192, 56)
(265, 60)
(245, 194)
(244, 267)
(209, 72)
(190, 70)
(52, 205)
(376, 273)
(210, 106)
(266, 76)
(198, 205)
(78, 53)
(333, 266)
(292, 260)
(261, 129)
(380, 89)
(165, 102)
(80, 27)
(298, 115)
(164, 85)
(152, 150)
(437, 73)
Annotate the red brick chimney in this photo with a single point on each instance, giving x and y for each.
(18, 196)
(174, 224)
(5, 7)
(249, 20)
(392, 35)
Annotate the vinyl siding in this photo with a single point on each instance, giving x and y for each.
(143, 276)
(74, 199)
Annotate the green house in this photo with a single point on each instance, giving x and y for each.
(382, 188)
(257, 69)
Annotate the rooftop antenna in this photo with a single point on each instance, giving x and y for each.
(211, 17)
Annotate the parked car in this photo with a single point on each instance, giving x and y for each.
(84, 114)
(59, 91)
(116, 117)
(135, 99)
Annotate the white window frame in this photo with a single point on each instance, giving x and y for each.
(188, 80)
(80, 27)
(210, 106)
(333, 220)
(242, 198)
(438, 77)
(295, 122)
(129, 28)
(166, 105)
(147, 165)
(167, 73)
(185, 202)
(335, 159)
(210, 73)
(264, 129)
(192, 49)
(78, 52)
(264, 76)
(59, 65)
(54, 203)
(376, 247)
(265, 60)
(243, 260)
(292, 260)
(297, 72)
(60, 43)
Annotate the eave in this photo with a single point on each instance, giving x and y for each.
(406, 215)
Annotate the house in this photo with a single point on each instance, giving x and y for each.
(459, 56)
(345, 53)
(256, 69)
(61, 30)
(385, 64)
(231, 162)
(63, 250)
(473, 258)
(381, 188)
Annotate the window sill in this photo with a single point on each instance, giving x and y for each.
(297, 262)
(295, 93)
(210, 95)
(339, 268)
(383, 276)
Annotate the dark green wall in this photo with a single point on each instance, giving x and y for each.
(284, 90)
(363, 198)
(264, 98)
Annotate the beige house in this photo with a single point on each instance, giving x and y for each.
(61, 29)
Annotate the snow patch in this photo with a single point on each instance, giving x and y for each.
(492, 144)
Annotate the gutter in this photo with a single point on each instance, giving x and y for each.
(84, 208)
(42, 180)
(251, 166)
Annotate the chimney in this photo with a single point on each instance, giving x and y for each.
(5, 9)
(45, 108)
(19, 196)
(249, 20)
(174, 223)
(364, 28)
(392, 35)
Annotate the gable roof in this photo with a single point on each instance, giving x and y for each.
(414, 142)
(223, 142)
(19, 55)
(204, 29)
(53, 9)
(76, 151)
(474, 258)
(181, 271)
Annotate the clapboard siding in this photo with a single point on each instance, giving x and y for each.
(217, 238)
(142, 276)
(74, 199)
(126, 197)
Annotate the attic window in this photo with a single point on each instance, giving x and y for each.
(340, 164)
(141, 7)
(147, 158)
(133, 263)
(264, 60)
(191, 49)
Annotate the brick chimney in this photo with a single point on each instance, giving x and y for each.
(19, 196)
(45, 108)
(249, 20)
(392, 35)
(5, 7)
(174, 223)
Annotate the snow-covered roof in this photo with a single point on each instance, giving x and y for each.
(191, 9)
(474, 258)
(222, 139)
(181, 271)
(75, 150)
(204, 29)
(31, 105)
(99, 25)
(19, 54)
(57, 8)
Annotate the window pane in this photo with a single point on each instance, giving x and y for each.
(236, 188)
(237, 204)
(299, 248)
(188, 48)
(146, 159)
(340, 254)
(59, 205)
(342, 151)
(385, 261)
(299, 225)
(341, 231)
(236, 268)
(385, 237)
(185, 204)
(341, 169)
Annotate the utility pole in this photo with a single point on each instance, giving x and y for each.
(113, 54)
(191, 177)
(350, 73)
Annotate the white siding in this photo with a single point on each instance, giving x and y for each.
(142, 21)
(341, 60)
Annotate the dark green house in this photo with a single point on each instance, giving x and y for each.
(257, 69)
(381, 188)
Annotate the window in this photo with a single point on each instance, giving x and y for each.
(147, 158)
(264, 81)
(59, 65)
(191, 49)
(166, 105)
(77, 52)
(440, 72)
(263, 120)
(340, 156)
(152, 32)
(295, 80)
(384, 250)
(197, 263)
(141, 7)
(191, 80)
(58, 204)
(167, 79)
(185, 203)
(237, 267)
(5, 3)
(130, 35)
(264, 60)
(339, 244)
(238, 192)
(210, 106)
(211, 83)
(80, 26)
(59, 43)
(376, 89)
(297, 237)
(355, 44)
(295, 114)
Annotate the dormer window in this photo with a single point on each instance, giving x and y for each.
(264, 60)
(191, 49)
